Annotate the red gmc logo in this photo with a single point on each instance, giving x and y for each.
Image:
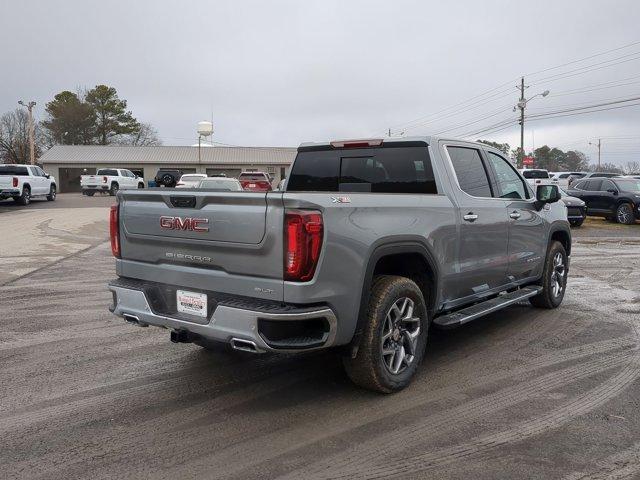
(179, 223)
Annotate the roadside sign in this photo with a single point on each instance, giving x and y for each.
(528, 161)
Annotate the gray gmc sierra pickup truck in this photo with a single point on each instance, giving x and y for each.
(370, 243)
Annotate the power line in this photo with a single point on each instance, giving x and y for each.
(583, 113)
(583, 59)
(585, 107)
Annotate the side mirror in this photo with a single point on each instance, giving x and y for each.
(612, 190)
(47, 175)
(546, 194)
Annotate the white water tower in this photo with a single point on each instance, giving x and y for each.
(205, 129)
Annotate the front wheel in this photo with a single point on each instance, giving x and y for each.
(576, 223)
(554, 278)
(624, 214)
(52, 193)
(114, 189)
(394, 337)
(141, 185)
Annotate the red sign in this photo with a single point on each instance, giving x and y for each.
(528, 161)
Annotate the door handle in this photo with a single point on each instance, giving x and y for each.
(470, 217)
(515, 215)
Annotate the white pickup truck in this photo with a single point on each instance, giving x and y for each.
(110, 180)
(538, 176)
(23, 182)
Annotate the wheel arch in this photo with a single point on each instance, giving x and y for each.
(411, 258)
(562, 234)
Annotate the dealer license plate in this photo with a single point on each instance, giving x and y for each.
(192, 303)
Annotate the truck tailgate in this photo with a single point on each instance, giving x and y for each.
(209, 240)
(91, 181)
(6, 182)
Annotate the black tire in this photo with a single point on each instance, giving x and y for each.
(372, 368)
(168, 180)
(25, 197)
(624, 214)
(576, 223)
(114, 189)
(89, 194)
(141, 185)
(52, 193)
(552, 293)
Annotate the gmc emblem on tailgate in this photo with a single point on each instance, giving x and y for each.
(188, 223)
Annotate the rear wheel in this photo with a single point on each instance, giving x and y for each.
(554, 278)
(168, 180)
(52, 193)
(25, 198)
(114, 189)
(141, 185)
(624, 214)
(394, 337)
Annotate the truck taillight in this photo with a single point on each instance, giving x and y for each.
(104, 179)
(114, 230)
(303, 243)
(15, 182)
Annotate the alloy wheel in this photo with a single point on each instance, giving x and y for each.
(558, 275)
(400, 336)
(624, 213)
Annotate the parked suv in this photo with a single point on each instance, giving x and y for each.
(168, 177)
(371, 242)
(613, 198)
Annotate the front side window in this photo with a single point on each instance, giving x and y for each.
(510, 185)
(608, 185)
(470, 170)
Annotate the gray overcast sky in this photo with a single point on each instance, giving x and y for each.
(282, 72)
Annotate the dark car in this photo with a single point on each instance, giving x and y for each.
(168, 177)
(575, 177)
(576, 208)
(613, 198)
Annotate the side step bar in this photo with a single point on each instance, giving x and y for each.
(459, 317)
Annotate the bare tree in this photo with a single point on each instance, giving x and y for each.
(147, 136)
(632, 167)
(14, 137)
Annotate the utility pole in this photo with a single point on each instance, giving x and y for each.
(32, 150)
(599, 145)
(389, 135)
(521, 105)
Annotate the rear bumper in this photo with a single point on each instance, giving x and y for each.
(9, 192)
(230, 319)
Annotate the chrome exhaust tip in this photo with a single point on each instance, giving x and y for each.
(133, 320)
(244, 345)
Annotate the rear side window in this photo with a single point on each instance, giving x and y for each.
(593, 185)
(470, 170)
(13, 170)
(580, 185)
(375, 170)
(107, 171)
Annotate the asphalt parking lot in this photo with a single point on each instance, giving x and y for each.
(523, 393)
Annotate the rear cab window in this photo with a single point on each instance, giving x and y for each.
(535, 174)
(13, 170)
(108, 171)
(391, 168)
